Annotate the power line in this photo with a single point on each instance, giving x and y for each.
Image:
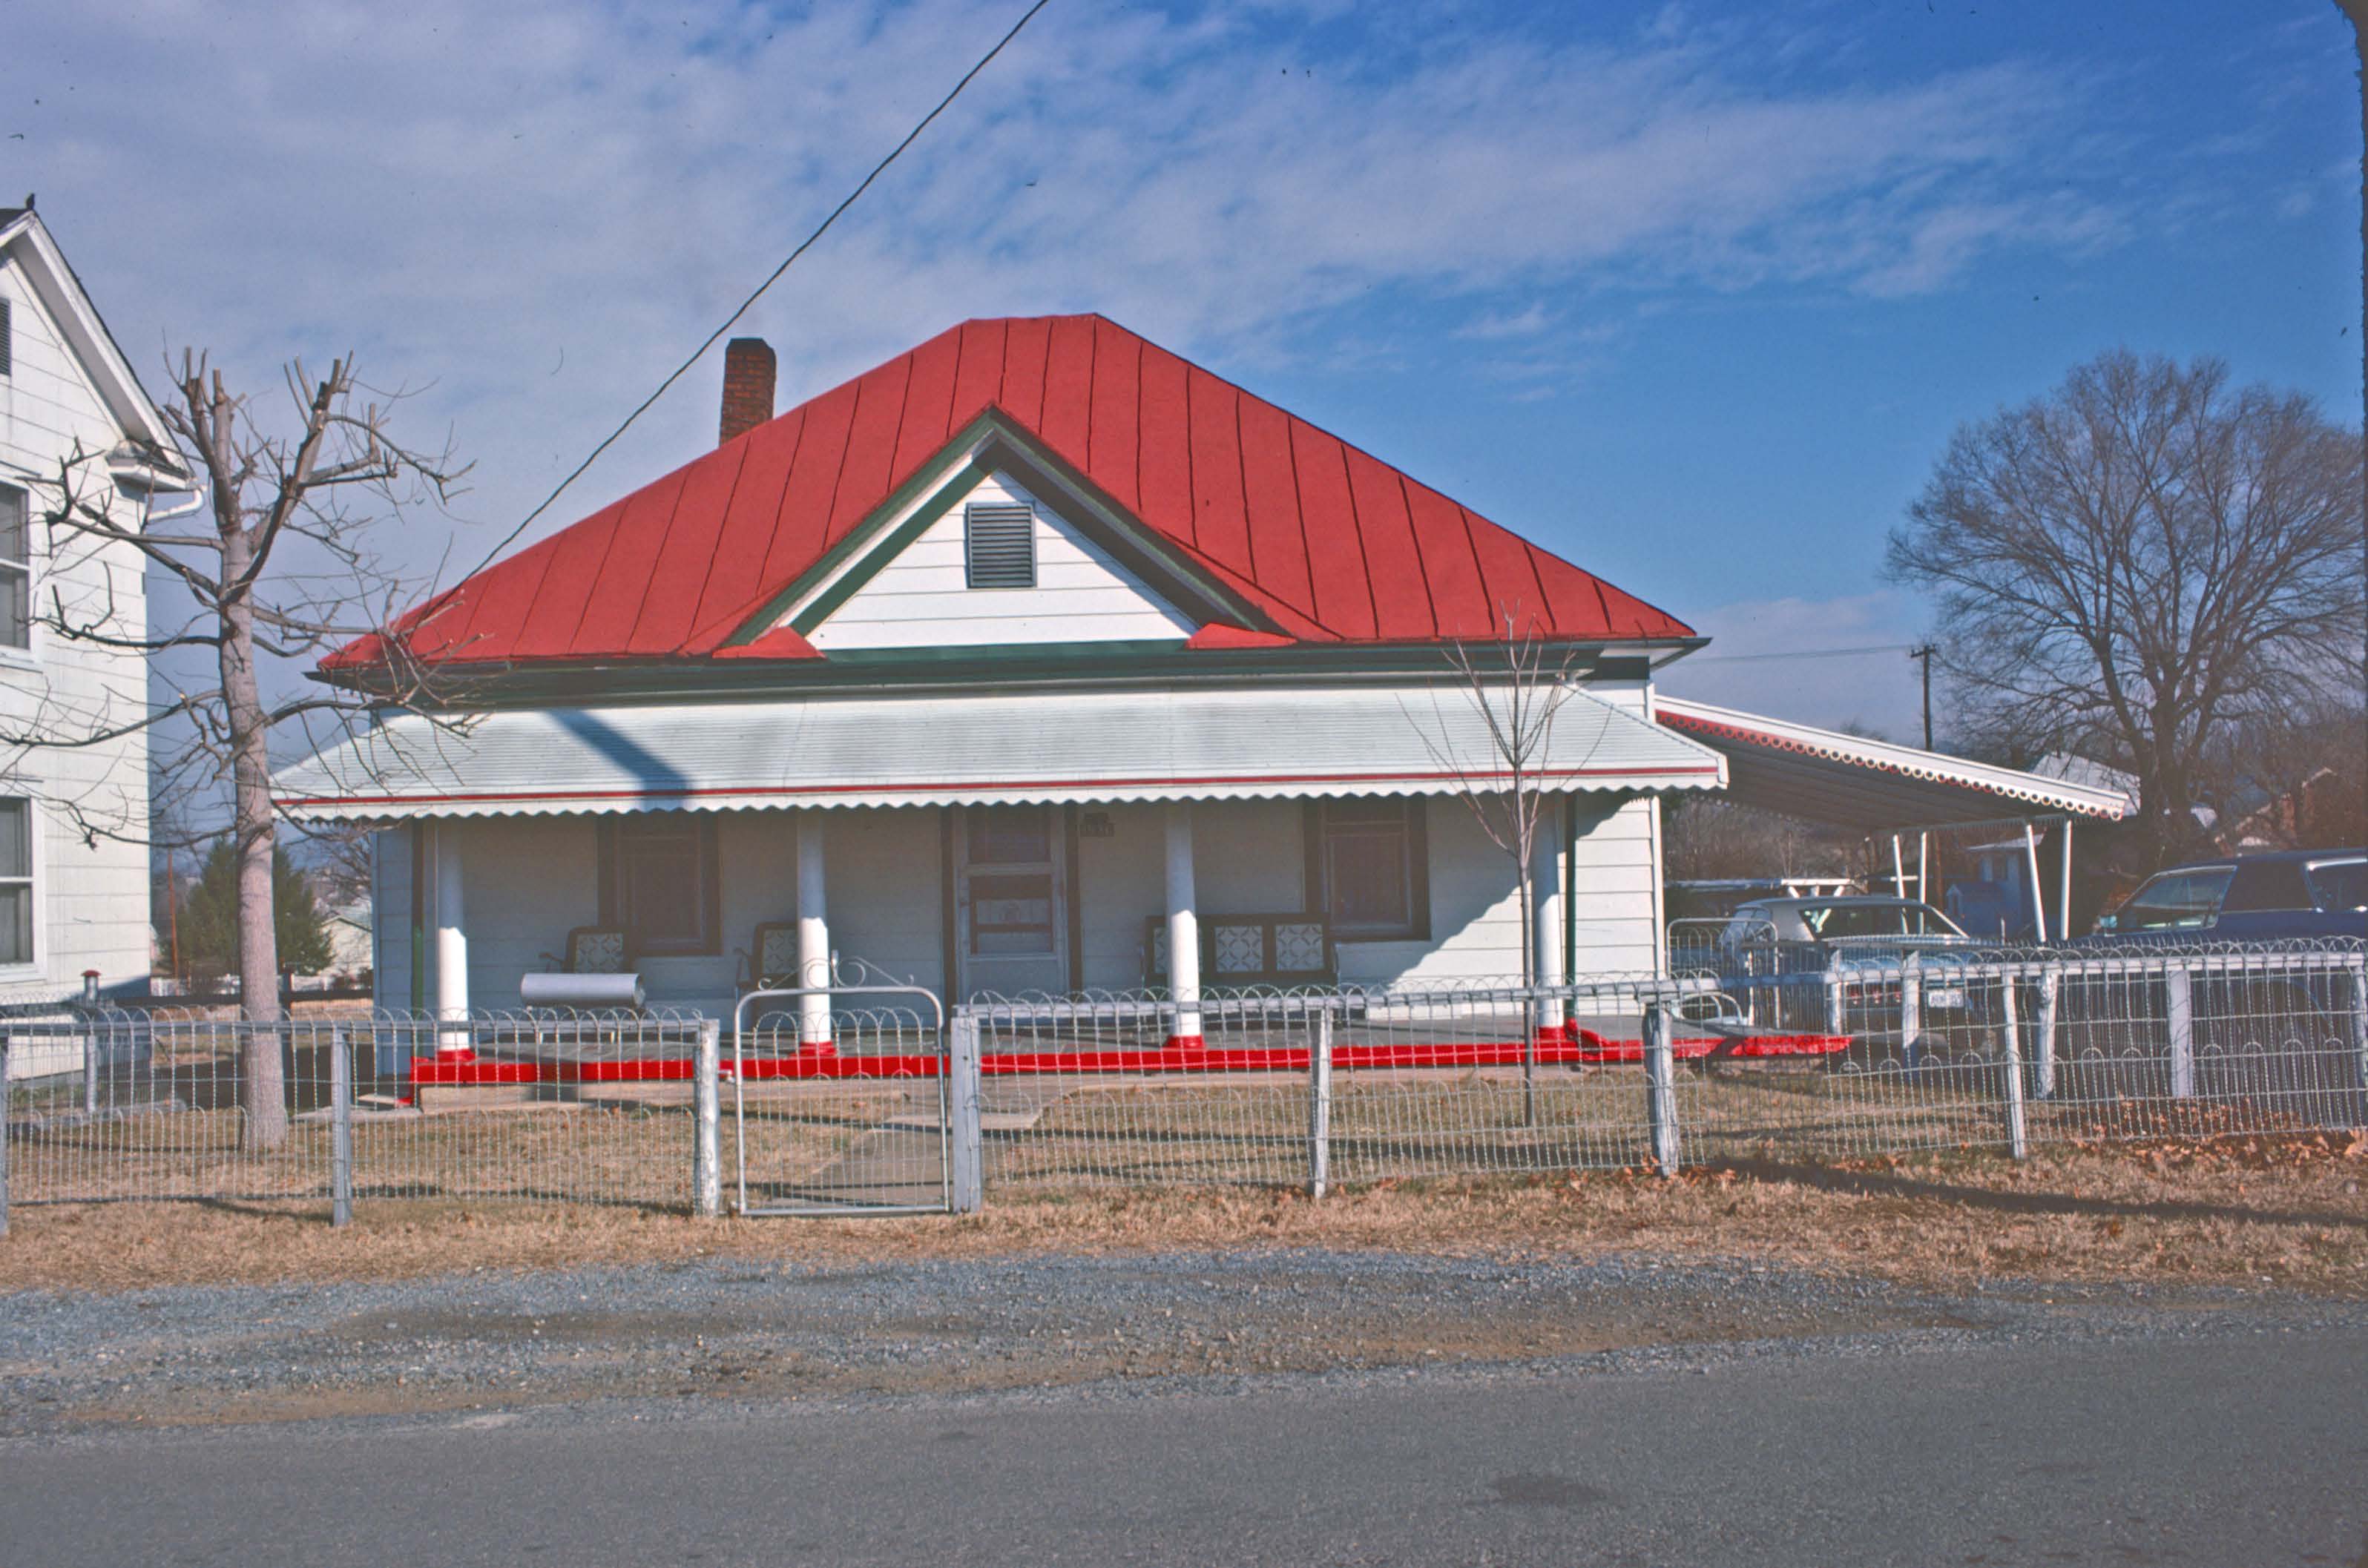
(1801, 654)
(729, 322)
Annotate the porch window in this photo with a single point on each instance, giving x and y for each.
(15, 880)
(658, 883)
(1012, 884)
(16, 569)
(1368, 869)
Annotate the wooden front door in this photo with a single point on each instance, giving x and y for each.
(1012, 925)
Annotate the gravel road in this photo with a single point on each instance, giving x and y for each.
(727, 1332)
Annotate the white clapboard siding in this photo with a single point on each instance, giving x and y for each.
(1475, 919)
(90, 894)
(921, 600)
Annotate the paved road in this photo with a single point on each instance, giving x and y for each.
(2220, 1449)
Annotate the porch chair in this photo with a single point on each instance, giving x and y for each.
(592, 949)
(769, 963)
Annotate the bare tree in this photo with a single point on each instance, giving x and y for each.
(286, 572)
(1519, 686)
(2139, 559)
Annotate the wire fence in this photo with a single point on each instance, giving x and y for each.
(854, 1101)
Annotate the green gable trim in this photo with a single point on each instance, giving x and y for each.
(827, 602)
(1013, 654)
(989, 444)
(930, 474)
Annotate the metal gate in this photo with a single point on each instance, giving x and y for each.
(847, 1101)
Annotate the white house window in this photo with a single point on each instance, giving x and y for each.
(15, 880)
(999, 545)
(16, 569)
(1368, 869)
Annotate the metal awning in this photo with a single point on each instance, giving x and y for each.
(1106, 744)
(1824, 776)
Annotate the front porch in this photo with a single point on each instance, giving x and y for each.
(976, 903)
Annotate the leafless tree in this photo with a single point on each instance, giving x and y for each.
(2139, 559)
(1519, 685)
(286, 572)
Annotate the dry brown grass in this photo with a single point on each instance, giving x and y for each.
(2285, 1212)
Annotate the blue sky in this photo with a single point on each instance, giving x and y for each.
(1693, 294)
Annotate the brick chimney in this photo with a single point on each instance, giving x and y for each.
(749, 372)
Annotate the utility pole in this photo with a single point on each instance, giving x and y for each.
(1925, 654)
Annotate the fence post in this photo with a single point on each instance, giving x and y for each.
(968, 1166)
(1660, 1087)
(2177, 984)
(2042, 1044)
(2359, 1036)
(706, 1156)
(1837, 1000)
(2018, 1138)
(1320, 1105)
(90, 1033)
(1911, 1008)
(341, 1128)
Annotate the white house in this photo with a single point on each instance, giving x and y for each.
(74, 864)
(1012, 666)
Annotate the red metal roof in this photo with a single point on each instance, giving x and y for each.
(1331, 543)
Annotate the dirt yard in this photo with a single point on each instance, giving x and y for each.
(2286, 1213)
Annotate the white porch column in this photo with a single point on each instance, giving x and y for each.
(1546, 908)
(2064, 888)
(1183, 927)
(813, 931)
(2038, 895)
(451, 940)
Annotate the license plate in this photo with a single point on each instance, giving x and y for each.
(1948, 997)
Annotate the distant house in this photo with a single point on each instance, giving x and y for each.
(71, 900)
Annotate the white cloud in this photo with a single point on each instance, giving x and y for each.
(538, 209)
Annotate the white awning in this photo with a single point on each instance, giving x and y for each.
(1825, 775)
(1168, 743)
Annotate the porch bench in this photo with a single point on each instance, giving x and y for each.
(1250, 949)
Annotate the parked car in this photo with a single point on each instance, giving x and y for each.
(1861, 922)
(1772, 937)
(2278, 895)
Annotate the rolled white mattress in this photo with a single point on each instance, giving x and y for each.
(581, 990)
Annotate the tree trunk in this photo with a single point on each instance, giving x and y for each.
(1531, 1012)
(262, 1093)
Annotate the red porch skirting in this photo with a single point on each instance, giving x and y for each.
(1555, 1047)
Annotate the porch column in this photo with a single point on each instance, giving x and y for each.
(451, 940)
(1546, 912)
(1183, 929)
(2064, 888)
(2038, 898)
(813, 932)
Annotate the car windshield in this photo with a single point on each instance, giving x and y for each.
(1830, 921)
(2174, 899)
(2339, 884)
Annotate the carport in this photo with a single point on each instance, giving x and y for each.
(1887, 790)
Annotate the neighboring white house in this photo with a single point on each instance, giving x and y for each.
(71, 900)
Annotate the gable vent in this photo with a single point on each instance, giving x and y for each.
(999, 545)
